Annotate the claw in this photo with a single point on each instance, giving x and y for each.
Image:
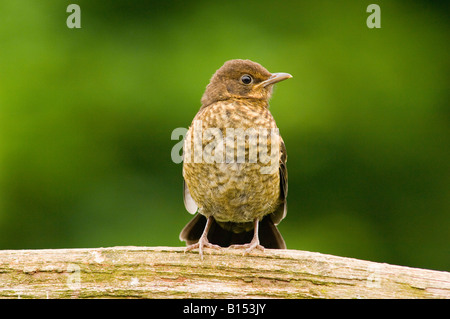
(203, 241)
(254, 244)
(249, 247)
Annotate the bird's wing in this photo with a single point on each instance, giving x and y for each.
(281, 210)
(189, 202)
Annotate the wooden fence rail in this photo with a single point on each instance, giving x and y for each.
(169, 272)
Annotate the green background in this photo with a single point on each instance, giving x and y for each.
(86, 117)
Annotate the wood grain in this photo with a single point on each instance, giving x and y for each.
(169, 272)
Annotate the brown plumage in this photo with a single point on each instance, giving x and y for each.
(236, 181)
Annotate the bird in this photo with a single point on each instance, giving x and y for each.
(237, 196)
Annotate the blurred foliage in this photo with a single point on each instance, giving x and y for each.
(86, 117)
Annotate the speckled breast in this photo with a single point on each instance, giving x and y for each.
(231, 161)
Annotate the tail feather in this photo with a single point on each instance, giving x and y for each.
(269, 236)
(193, 230)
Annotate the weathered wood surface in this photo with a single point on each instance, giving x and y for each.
(168, 272)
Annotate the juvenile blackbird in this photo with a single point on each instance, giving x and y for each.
(239, 199)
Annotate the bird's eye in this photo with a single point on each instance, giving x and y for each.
(246, 79)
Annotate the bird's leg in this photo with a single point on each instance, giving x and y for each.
(254, 244)
(203, 241)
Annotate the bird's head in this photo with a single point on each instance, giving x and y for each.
(241, 79)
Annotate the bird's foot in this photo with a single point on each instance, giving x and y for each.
(254, 244)
(202, 243)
